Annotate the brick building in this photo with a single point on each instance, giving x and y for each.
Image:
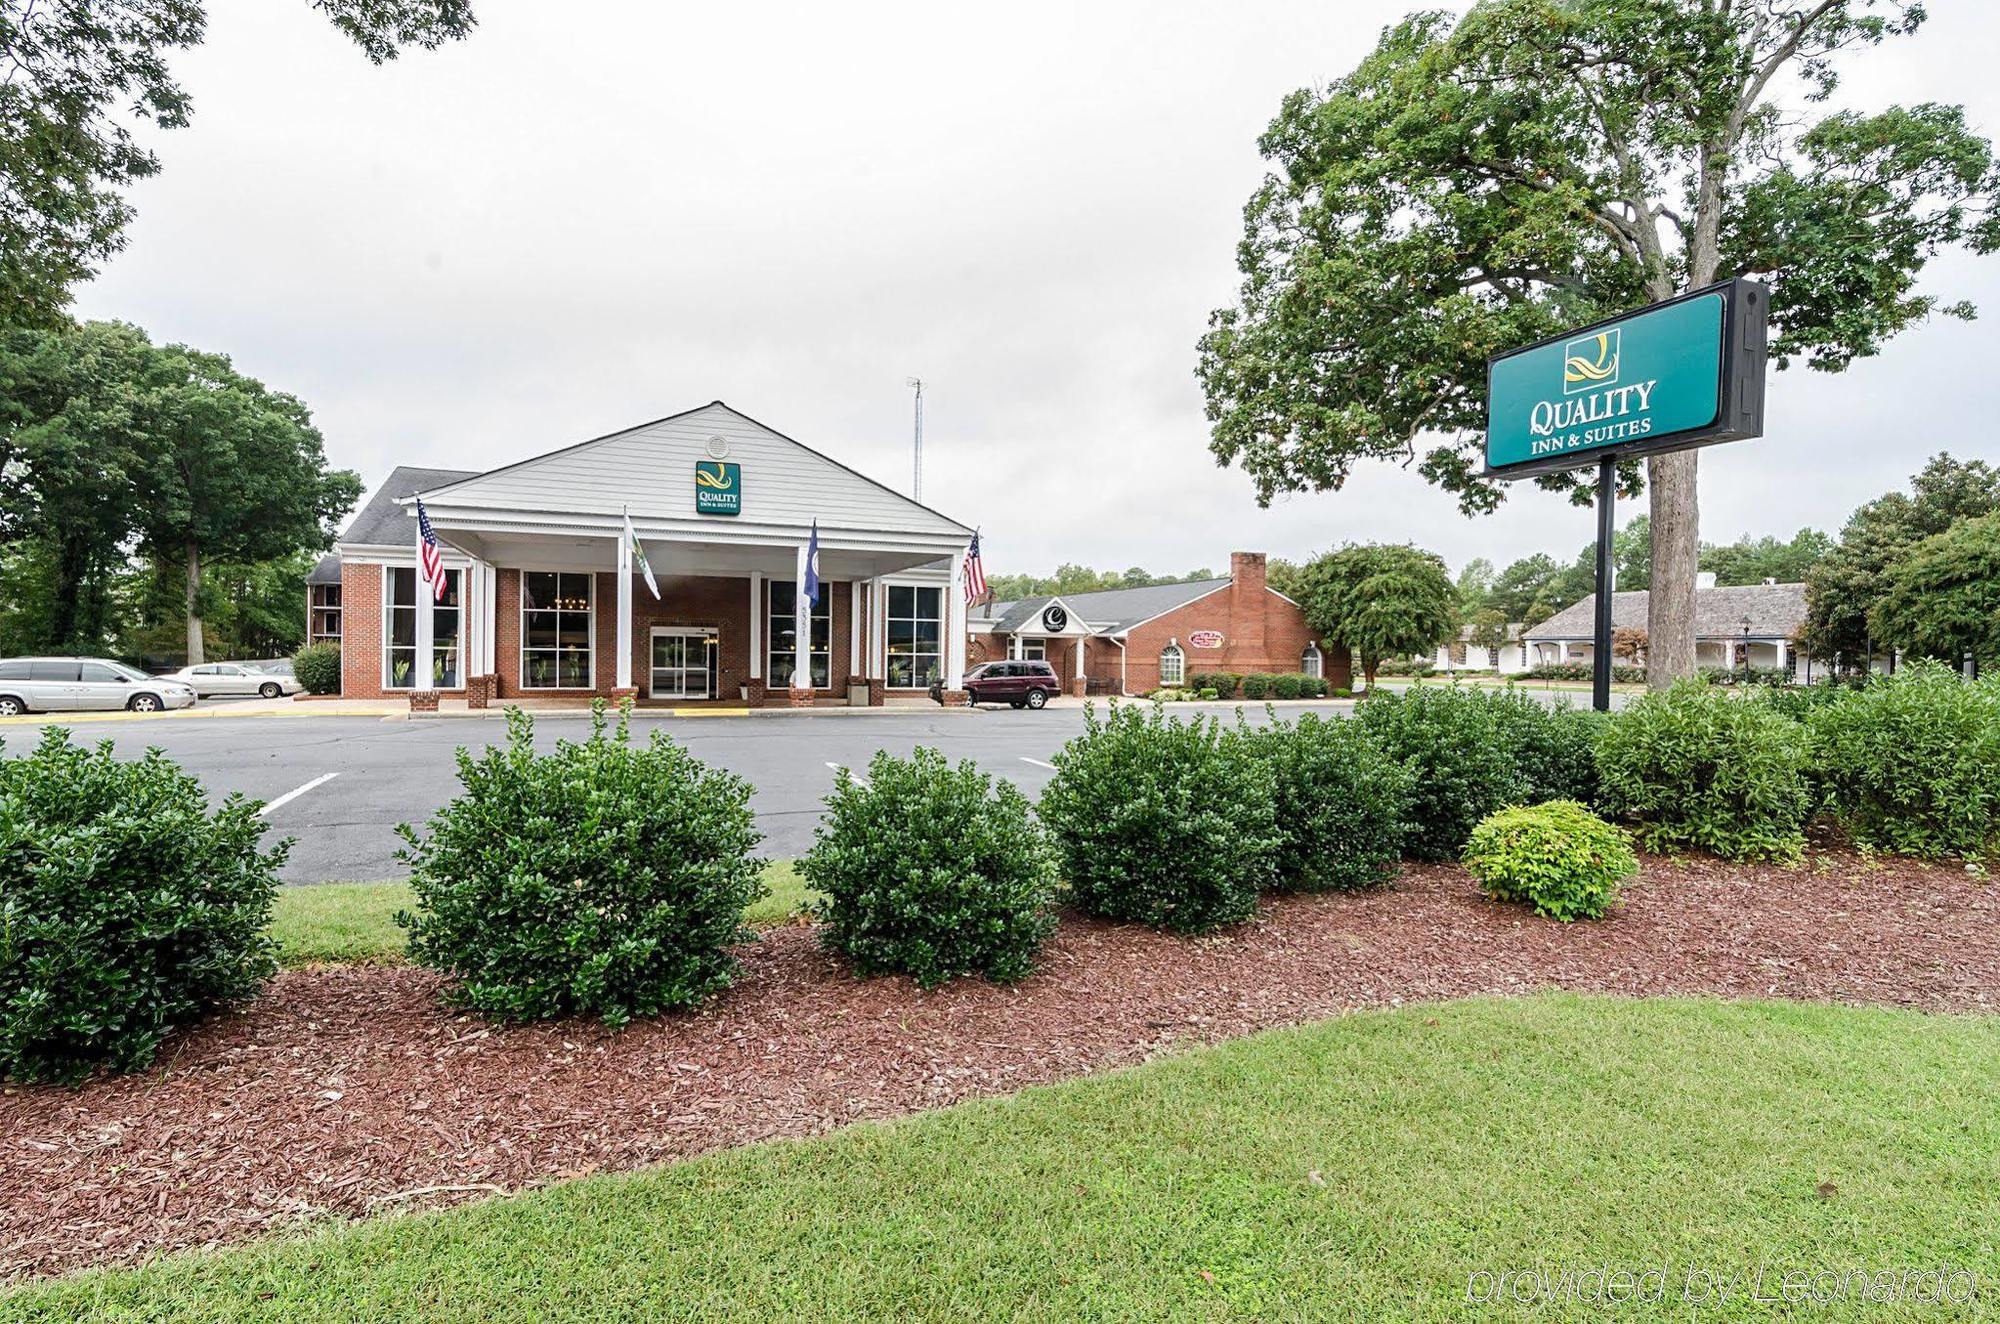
(1132, 640)
(546, 597)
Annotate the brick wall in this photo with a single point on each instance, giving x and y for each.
(361, 630)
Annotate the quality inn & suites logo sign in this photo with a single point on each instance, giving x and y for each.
(1591, 361)
(718, 488)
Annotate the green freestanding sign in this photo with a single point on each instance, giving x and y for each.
(1688, 372)
(1671, 376)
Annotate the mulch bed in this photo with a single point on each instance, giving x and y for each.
(350, 1090)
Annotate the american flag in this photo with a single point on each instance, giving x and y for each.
(431, 569)
(975, 572)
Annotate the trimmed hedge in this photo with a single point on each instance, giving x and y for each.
(1339, 802)
(1621, 673)
(1695, 768)
(604, 878)
(317, 668)
(1224, 683)
(1554, 746)
(127, 908)
(1912, 762)
(1558, 857)
(1460, 757)
(1167, 822)
(931, 871)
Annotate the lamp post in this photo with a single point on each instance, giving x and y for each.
(1746, 650)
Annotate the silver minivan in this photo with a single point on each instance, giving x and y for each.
(79, 684)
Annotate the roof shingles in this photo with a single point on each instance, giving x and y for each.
(1775, 611)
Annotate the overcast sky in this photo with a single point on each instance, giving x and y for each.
(564, 226)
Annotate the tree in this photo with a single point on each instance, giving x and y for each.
(1942, 598)
(1489, 629)
(1477, 184)
(77, 77)
(1475, 587)
(1380, 600)
(1631, 555)
(1752, 561)
(1628, 642)
(1527, 590)
(1843, 585)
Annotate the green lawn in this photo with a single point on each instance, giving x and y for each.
(1363, 1168)
(350, 922)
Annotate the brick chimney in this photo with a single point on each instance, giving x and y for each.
(1246, 608)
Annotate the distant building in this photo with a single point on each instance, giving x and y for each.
(1510, 658)
(1763, 620)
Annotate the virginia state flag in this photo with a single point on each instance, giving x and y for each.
(810, 589)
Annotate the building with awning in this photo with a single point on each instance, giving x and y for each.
(1757, 621)
(544, 598)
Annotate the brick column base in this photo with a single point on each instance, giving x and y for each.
(478, 691)
(878, 693)
(800, 698)
(423, 701)
(620, 695)
(952, 698)
(755, 694)
(1079, 686)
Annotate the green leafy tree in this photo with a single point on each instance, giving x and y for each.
(1475, 587)
(1942, 598)
(1478, 183)
(1526, 590)
(1845, 584)
(1753, 560)
(80, 81)
(1380, 600)
(1489, 629)
(1631, 555)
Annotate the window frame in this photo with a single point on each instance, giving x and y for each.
(1173, 646)
(918, 680)
(389, 646)
(521, 621)
(1040, 646)
(1317, 660)
(318, 609)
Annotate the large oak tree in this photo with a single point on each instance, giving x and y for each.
(1477, 184)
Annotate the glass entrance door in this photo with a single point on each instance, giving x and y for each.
(683, 664)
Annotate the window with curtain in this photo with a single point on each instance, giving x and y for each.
(783, 636)
(1173, 665)
(1309, 661)
(916, 635)
(555, 630)
(399, 638)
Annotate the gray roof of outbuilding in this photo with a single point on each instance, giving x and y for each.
(327, 571)
(383, 523)
(1108, 610)
(1775, 611)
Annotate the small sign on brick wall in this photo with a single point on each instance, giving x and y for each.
(1205, 639)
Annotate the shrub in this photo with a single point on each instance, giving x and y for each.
(1339, 803)
(1695, 768)
(1257, 685)
(1554, 747)
(1459, 758)
(1912, 762)
(1406, 667)
(1623, 674)
(931, 871)
(1558, 857)
(127, 908)
(1166, 822)
(1798, 702)
(1224, 683)
(317, 667)
(1285, 686)
(603, 878)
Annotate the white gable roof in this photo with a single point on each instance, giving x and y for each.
(650, 468)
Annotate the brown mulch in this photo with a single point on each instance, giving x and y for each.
(349, 1090)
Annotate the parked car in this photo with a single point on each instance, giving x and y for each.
(1018, 684)
(78, 684)
(212, 678)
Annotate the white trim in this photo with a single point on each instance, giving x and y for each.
(890, 582)
(521, 649)
(621, 666)
(853, 629)
(756, 625)
(1173, 645)
(388, 630)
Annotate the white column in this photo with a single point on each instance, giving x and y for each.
(954, 619)
(622, 673)
(756, 625)
(1782, 649)
(422, 675)
(490, 658)
(853, 628)
(1079, 657)
(801, 628)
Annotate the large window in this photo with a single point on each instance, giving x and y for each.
(323, 614)
(1173, 665)
(1035, 650)
(784, 636)
(555, 630)
(400, 638)
(1309, 661)
(916, 636)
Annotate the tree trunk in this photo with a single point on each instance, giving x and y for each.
(195, 657)
(72, 563)
(1676, 520)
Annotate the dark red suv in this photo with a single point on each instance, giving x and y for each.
(1020, 684)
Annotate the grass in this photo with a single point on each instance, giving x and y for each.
(347, 923)
(1363, 1168)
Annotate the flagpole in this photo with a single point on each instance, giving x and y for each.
(622, 672)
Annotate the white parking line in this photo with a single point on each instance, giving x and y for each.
(294, 794)
(1038, 763)
(859, 780)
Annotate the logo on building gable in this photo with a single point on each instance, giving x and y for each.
(718, 488)
(1590, 362)
(1205, 639)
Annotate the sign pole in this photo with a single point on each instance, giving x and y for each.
(1607, 528)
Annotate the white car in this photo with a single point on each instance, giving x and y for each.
(213, 678)
(75, 684)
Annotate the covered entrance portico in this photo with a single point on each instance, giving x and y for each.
(551, 599)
